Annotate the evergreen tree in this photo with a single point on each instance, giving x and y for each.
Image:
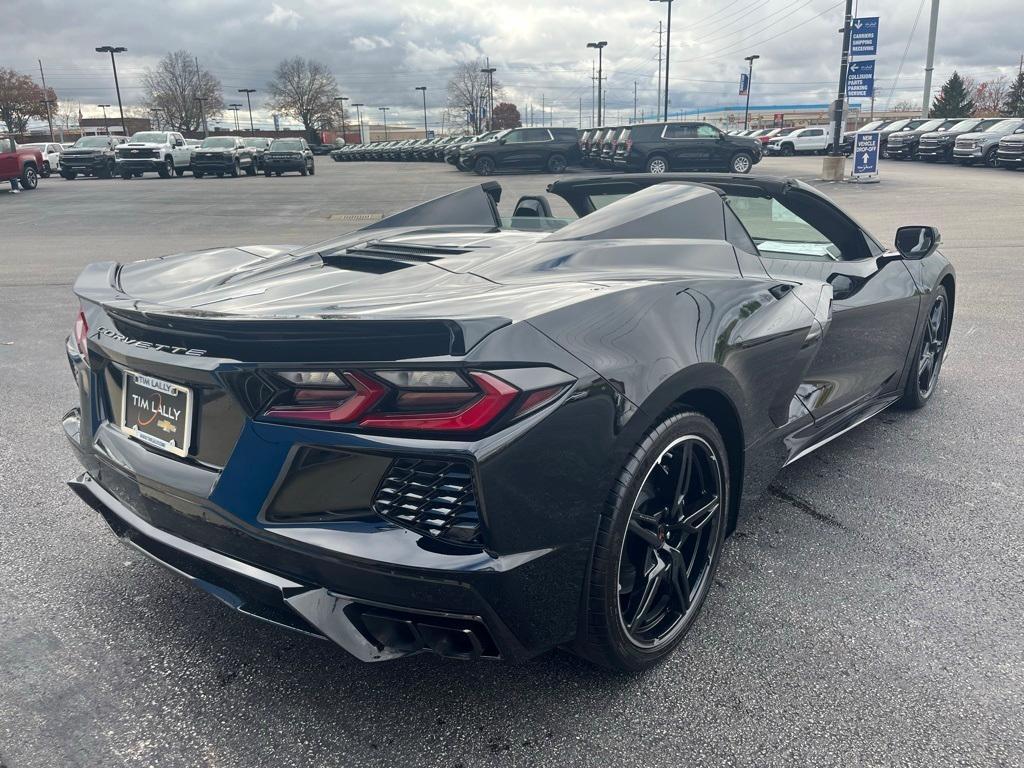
(1014, 104)
(954, 100)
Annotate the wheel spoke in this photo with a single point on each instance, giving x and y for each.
(650, 538)
(652, 583)
(680, 580)
(683, 481)
(698, 518)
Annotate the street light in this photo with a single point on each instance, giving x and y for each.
(489, 71)
(600, 49)
(111, 49)
(342, 99)
(668, 48)
(248, 100)
(234, 108)
(423, 88)
(49, 120)
(750, 81)
(385, 111)
(106, 127)
(359, 119)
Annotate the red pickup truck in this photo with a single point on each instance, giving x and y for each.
(20, 163)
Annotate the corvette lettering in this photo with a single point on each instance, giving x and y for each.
(116, 336)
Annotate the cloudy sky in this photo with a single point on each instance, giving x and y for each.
(380, 51)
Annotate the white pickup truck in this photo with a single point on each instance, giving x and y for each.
(165, 152)
(813, 140)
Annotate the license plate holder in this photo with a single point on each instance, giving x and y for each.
(157, 412)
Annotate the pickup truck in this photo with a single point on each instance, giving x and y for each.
(51, 152)
(814, 140)
(165, 152)
(90, 156)
(24, 164)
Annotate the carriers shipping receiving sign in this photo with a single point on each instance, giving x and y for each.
(864, 37)
(865, 156)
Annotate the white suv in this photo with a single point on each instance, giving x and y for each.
(165, 152)
(814, 139)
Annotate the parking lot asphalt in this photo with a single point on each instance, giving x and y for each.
(868, 613)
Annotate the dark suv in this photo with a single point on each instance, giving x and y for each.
(663, 147)
(903, 145)
(224, 154)
(938, 145)
(534, 149)
(90, 156)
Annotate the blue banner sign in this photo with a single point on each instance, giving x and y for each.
(864, 37)
(860, 79)
(744, 83)
(865, 154)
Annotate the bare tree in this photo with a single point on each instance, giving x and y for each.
(467, 92)
(906, 106)
(990, 96)
(21, 99)
(306, 90)
(173, 87)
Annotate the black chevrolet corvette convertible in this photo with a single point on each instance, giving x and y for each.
(486, 437)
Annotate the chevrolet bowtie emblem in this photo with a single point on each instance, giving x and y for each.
(166, 426)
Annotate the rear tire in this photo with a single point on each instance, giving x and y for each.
(654, 562)
(657, 164)
(556, 164)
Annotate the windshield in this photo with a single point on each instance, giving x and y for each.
(872, 125)
(255, 142)
(150, 137)
(286, 144)
(220, 142)
(92, 141)
(964, 125)
(898, 125)
(1005, 126)
(931, 125)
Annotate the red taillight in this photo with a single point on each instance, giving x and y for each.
(496, 396)
(414, 400)
(81, 333)
(333, 405)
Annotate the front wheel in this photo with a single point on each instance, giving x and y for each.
(29, 177)
(69, 175)
(788, 151)
(236, 169)
(483, 166)
(198, 174)
(658, 545)
(990, 158)
(556, 164)
(741, 163)
(267, 173)
(312, 169)
(167, 169)
(931, 352)
(251, 169)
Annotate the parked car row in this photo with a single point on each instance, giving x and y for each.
(168, 153)
(991, 141)
(644, 147)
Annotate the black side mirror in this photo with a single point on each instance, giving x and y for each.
(501, 141)
(917, 242)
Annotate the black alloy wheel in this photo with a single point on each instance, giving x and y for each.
(167, 170)
(658, 545)
(483, 166)
(924, 376)
(991, 160)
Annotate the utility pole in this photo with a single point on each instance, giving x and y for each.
(384, 111)
(668, 49)
(201, 100)
(106, 126)
(489, 71)
(926, 100)
(423, 90)
(47, 100)
(833, 167)
(593, 95)
(634, 101)
(359, 119)
(248, 92)
(750, 80)
(111, 49)
(234, 107)
(659, 70)
(342, 99)
(600, 64)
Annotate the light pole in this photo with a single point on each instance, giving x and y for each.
(423, 89)
(111, 49)
(248, 100)
(202, 110)
(359, 119)
(600, 62)
(668, 50)
(750, 81)
(384, 110)
(234, 108)
(342, 99)
(489, 71)
(106, 126)
(156, 115)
